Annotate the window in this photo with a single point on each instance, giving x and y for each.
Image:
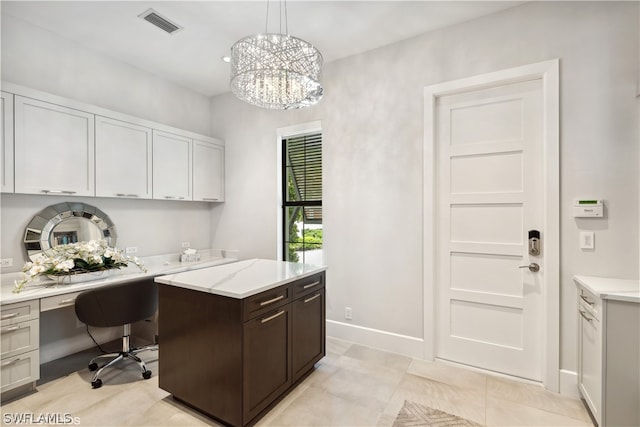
(302, 198)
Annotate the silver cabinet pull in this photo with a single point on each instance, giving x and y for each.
(58, 192)
(271, 301)
(174, 197)
(210, 199)
(584, 314)
(267, 319)
(9, 316)
(11, 329)
(67, 301)
(310, 285)
(585, 299)
(126, 195)
(10, 362)
(312, 298)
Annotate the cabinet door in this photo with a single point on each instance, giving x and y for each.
(54, 149)
(123, 159)
(308, 332)
(208, 171)
(171, 166)
(590, 361)
(6, 135)
(266, 360)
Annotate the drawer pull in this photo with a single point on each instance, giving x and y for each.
(267, 319)
(10, 362)
(271, 301)
(11, 329)
(9, 316)
(585, 299)
(58, 192)
(67, 301)
(311, 285)
(312, 298)
(584, 314)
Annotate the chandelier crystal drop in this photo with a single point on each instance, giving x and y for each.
(276, 71)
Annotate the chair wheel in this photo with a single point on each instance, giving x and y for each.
(146, 375)
(97, 383)
(93, 366)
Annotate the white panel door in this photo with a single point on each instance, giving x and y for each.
(490, 194)
(6, 135)
(123, 159)
(172, 165)
(208, 171)
(54, 149)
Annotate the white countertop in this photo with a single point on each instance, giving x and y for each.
(610, 288)
(156, 266)
(243, 278)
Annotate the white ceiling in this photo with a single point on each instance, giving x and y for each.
(192, 57)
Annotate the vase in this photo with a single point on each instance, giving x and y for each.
(68, 279)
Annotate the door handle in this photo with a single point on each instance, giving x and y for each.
(532, 267)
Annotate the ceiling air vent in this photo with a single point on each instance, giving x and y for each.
(160, 21)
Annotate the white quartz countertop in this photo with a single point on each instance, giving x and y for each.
(611, 288)
(156, 266)
(241, 279)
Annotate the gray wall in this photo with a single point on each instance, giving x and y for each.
(372, 120)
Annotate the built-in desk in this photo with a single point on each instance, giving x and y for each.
(20, 313)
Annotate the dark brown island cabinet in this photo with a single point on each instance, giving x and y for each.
(233, 359)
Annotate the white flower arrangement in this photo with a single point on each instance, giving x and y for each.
(75, 258)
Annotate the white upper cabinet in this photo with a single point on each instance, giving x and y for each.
(172, 166)
(54, 149)
(208, 171)
(123, 159)
(6, 135)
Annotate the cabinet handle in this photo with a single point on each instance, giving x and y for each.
(9, 316)
(585, 299)
(58, 192)
(11, 329)
(210, 199)
(10, 362)
(311, 285)
(312, 298)
(584, 314)
(126, 195)
(267, 319)
(174, 197)
(67, 301)
(271, 301)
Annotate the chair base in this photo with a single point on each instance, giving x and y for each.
(96, 382)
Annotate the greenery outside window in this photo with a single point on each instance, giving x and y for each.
(302, 198)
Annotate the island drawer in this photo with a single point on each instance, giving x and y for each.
(265, 301)
(307, 285)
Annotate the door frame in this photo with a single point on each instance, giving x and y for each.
(549, 73)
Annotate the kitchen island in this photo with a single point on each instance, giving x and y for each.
(234, 339)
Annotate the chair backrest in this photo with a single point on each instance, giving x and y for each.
(118, 304)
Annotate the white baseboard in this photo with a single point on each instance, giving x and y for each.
(569, 384)
(383, 340)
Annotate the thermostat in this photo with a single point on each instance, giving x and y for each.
(588, 208)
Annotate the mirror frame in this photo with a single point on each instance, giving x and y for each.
(37, 234)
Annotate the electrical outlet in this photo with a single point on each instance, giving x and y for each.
(6, 262)
(131, 249)
(347, 313)
(186, 245)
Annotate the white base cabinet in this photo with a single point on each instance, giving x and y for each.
(20, 340)
(609, 358)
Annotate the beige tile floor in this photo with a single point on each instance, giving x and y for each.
(352, 386)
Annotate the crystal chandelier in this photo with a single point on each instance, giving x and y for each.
(276, 71)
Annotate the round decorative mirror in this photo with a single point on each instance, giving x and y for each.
(67, 222)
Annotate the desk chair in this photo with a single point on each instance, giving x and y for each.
(120, 304)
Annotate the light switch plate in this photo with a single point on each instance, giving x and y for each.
(587, 240)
